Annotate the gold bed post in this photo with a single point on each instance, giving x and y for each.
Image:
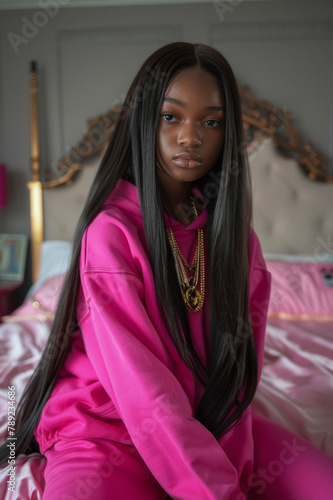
(35, 186)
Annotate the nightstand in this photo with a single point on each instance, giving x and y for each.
(8, 296)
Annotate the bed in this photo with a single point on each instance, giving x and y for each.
(293, 216)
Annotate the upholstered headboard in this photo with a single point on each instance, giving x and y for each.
(292, 214)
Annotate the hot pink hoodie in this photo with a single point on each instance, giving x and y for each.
(123, 379)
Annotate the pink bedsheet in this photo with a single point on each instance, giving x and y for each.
(20, 347)
(296, 387)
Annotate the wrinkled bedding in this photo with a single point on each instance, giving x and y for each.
(296, 387)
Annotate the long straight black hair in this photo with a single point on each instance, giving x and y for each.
(230, 379)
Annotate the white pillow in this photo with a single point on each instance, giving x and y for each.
(54, 260)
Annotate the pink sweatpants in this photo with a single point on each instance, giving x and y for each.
(286, 467)
(99, 469)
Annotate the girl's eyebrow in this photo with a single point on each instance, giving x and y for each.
(182, 104)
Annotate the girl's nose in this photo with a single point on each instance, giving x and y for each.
(189, 136)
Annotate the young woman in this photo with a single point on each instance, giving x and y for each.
(144, 390)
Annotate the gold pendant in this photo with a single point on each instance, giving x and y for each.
(192, 298)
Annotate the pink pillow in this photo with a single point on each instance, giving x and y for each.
(301, 290)
(42, 304)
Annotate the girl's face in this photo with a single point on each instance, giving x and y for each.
(191, 128)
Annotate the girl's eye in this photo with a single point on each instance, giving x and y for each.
(168, 117)
(213, 123)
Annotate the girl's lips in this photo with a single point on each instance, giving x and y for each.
(187, 161)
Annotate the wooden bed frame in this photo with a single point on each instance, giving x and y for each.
(281, 162)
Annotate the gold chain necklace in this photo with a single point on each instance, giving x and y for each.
(193, 298)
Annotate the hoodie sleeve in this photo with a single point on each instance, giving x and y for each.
(128, 356)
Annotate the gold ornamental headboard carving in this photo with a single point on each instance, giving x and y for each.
(87, 150)
(261, 120)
